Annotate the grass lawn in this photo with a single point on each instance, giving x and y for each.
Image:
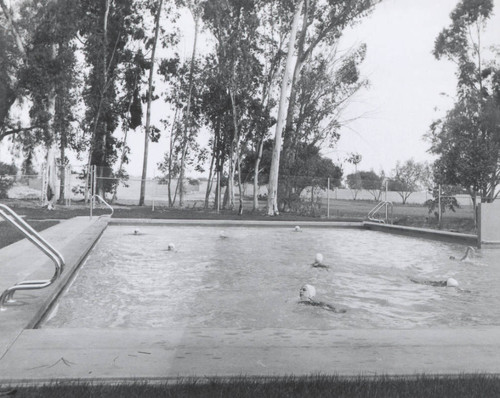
(9, 234)
(427, 386)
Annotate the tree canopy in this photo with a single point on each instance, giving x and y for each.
(87, 72)
(467, 139)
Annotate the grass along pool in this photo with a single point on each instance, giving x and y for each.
(251, 279)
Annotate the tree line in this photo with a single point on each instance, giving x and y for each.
(90, 69)
(270, 91)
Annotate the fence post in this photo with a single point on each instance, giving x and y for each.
(218, 191)
(154, 193)
(90, 186)
(328, 198)
(439, 206)
(43, 191)
(94, 189)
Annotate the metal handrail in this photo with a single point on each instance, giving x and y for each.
(34, 237)
(103, 201)
(380, 205)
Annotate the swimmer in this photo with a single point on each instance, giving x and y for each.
(223, 235)
(307, 292)
(450, 282)
(468, 254)
(171, 247)
(297, 229)
(318, 261)
(137, 231)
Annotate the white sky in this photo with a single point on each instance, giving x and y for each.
(400, 103)
(406, 81)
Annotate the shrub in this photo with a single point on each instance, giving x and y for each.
(7, 178)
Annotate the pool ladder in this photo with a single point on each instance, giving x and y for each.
(92, 205)
(373, 212)
(34, 237)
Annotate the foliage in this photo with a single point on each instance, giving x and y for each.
(107, 27)
(330, 79)
(467, 138)
(447, 199)
(9, 64)
(468, 154)
(367, 180)
(408, 177)
(7, 178)
(354, 183)
(248, 163)
(92, 58)
(309, 170)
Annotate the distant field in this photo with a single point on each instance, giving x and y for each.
(415, 215)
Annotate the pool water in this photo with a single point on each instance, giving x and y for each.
(251, 279)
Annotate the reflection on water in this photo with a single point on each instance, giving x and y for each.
(252, 280)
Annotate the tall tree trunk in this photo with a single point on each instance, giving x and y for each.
(51, 194)
(256, 175)
(124, 150)
(102, 93)
(272, 200)
(210, 174)
(62, 172)
(240, 189)
(148, 111)
(169, 178)
(13, 29)
(188, 109)
(235, 149)
(288, 139)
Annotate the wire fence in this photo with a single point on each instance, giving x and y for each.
(302, 195)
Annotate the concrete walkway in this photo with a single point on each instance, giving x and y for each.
(110, 354)
(39, 355)
(24, 261)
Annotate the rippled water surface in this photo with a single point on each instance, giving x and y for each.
(251, 279)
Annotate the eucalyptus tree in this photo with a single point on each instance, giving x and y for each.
(234, 24)
(467, 140)
(156, 9)
(134, 65)
(326, 86)
(9, 65)
(52, 80)
(106, 26)
(274, 22)
(286, 83)
(323, 23)
(180, 77)
(195, 8)
(12, 58)
(217, 113)
(44, 34)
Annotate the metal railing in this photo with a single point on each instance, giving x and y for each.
(373, 212)
(92, 202)
(34, 237)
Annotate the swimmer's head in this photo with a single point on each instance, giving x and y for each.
(450, 282)
(297, 228)
(137, 231)
(319, 258)
(307, 292)
(223, 234)
(171, 247)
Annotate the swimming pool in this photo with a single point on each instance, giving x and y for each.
(252, 278)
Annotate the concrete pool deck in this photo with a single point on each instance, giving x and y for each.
(38, 355)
